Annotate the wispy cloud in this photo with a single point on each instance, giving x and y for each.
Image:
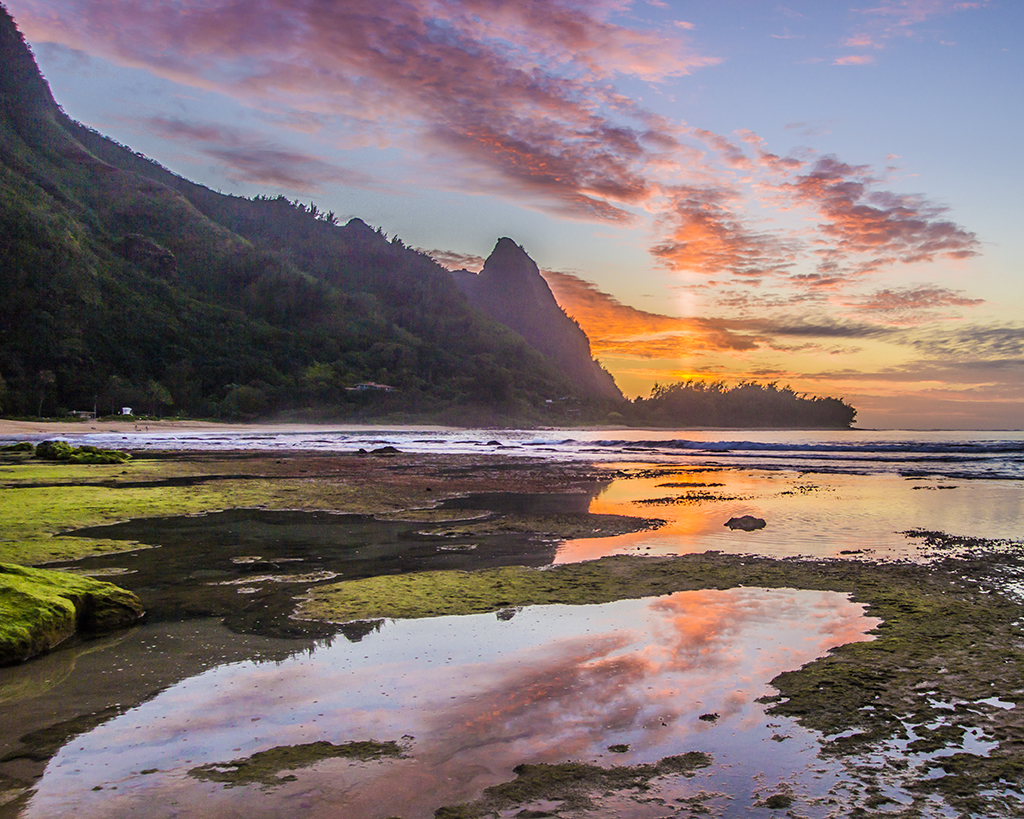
(522, 90)
(898, 19)
(854, 59)
(864, 229)
(992, 343)
(906, 13)
(454, 260)
(911, 305)
(248, 157)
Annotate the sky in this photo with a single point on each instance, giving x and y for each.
(820, 194)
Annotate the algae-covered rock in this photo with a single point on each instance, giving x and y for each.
(63, 451)
(266, 767)
(577, 786)
(40, 609)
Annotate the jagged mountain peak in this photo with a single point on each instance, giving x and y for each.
(506, 250)
(510, 289)
(509, 269)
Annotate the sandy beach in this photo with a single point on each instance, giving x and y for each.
(9, 428)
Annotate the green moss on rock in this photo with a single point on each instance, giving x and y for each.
(40, 609)
(574, 784)
(265, 767)
(63, 451)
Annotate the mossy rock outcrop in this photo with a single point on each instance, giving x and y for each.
(41, 608)
(63, 451)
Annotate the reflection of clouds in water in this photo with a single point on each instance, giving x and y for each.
(575, 692)
(480, 695)
(688, 653)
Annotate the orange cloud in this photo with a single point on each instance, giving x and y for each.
(705, 236)
(616, 329)
(888, 228)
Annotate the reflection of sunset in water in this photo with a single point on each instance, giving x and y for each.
(814, 515)
(479, 696)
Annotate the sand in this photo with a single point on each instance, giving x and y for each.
(10, 428)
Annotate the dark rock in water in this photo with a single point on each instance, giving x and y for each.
(748, 523)
(385, 450)
(778, 801)
(511, 290)
(709, 717)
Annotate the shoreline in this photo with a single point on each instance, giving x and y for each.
(9, 428)
(943, 630)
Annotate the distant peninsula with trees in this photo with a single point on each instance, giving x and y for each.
(129, 286)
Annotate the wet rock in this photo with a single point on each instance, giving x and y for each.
(43, 608)
(778, 801)
(748, 523)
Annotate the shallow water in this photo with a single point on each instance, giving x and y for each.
(814, 515)
(249, 565)
(948, 453)
(479, 695)
(474, 697)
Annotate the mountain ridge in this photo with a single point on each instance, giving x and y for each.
(130, 285)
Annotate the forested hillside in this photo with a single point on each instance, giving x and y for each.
(127, 285)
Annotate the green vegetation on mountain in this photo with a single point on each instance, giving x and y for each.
(126, 285)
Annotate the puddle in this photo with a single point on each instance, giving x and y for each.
(469, 699)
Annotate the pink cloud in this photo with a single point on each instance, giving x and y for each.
(881, 227)
(854, 59)
(861, 41)
(247, 157)
(520, 89)
(731, 153)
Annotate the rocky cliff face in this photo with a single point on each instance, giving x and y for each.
(511, 290)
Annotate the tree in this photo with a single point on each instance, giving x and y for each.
(46, 380)
(159, 396)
